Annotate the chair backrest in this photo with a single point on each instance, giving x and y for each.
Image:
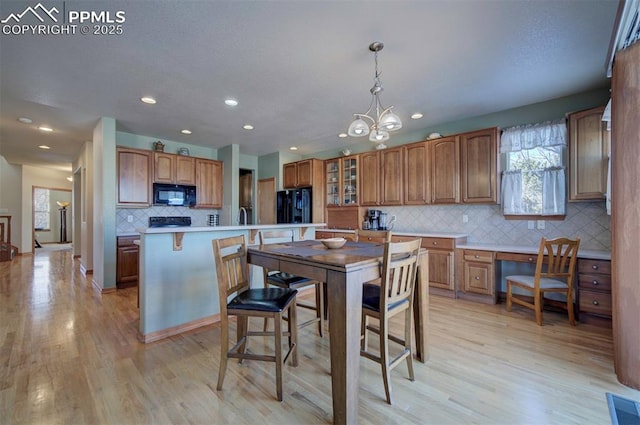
(232, 269)
(399, 266)
(273, 236)
(557, 259)
(374, 236)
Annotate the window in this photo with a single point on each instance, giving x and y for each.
(534, 180)
(41, 209)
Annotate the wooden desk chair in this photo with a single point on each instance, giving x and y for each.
(392, 297)
(232, 271)
(290, 281)
(374, 236)
(555, 269)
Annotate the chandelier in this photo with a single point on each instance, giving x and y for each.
(384, 120)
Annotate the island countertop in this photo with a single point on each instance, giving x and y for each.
(151, 230)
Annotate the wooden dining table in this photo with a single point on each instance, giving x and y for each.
(344, 270)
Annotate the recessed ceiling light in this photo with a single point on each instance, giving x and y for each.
(231, 102)
(293, 148)
(45, 128)
(185, 131)
(342, 135)
(148, 100)
(44, 147)
(25, 120)
(247, 127)
(70, 178)
(416, 116)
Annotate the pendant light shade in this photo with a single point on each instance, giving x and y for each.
(358, 128)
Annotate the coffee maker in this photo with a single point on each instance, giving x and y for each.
(373, 217)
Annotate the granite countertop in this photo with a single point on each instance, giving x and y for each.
(518, 249)
(154, 230)
(427, 233)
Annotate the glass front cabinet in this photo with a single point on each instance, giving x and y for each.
(342, 181)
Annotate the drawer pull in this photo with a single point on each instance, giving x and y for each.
(530, 258)
(435, 243)
(594, 267)
(477, 256)
(595, 302)
(595, 282)
(477, 278)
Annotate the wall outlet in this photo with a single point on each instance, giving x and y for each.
(465, 218)
(129, 219)
(530, 225)
(540, 224)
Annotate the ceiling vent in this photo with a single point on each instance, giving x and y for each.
(626, 29)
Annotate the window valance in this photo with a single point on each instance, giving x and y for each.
(530, 136)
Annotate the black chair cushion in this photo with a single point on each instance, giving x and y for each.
(288, 279)
(264, 299)
(371, 298)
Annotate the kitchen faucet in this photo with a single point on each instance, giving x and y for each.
(242, 213)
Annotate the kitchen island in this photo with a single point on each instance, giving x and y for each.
(178, 289)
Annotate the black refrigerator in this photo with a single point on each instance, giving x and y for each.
(294, 206)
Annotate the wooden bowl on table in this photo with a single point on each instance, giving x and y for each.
(334, 243)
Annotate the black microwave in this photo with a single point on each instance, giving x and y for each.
(174, 194)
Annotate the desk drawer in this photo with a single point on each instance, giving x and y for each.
(321, 234)
(595, 302)
(477, 256)
(594, 266)
(601, 282)
(438, 243)
(520, 258)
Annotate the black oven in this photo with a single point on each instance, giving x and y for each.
(174, 194)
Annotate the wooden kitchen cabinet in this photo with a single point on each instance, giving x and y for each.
(133, 177)
(594, 291)
(391, 177)
(445, 170)
(174, 169)
(477, 273)
(417, 188)
(305, 173)
(342, 181)
(479, 173)
(127, 261)
(209, 183)
(369, 178)
(589, 145)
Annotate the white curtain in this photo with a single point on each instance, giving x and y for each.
(553, 191)
(542, 135)
(512, 192)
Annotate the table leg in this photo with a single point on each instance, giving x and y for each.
(345, 310)
(421, 308)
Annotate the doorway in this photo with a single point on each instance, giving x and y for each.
(51, 218)
(245, 193)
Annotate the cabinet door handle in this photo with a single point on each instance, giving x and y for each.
(595, 282)
(477, 278)
(595, 302)
(594, 267)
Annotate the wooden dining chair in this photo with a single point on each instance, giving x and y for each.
(392, 297)
(374, 236)
(232, 272)
(291, 281)
(555, 270)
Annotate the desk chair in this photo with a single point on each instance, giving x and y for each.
(392, 297)
(232, 272)
(374, 236)
(559, 256)
(290, 281)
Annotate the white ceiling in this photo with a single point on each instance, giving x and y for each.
(299, 69)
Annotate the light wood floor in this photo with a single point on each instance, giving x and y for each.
(70, 356)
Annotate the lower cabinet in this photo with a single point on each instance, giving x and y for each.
(127, 261)
(594, 291)
(476, 271)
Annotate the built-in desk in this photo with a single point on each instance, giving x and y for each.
(481, 268)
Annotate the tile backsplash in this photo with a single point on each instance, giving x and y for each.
(486, 224)
(141, 216)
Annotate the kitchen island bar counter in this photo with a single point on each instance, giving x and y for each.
(190, 229)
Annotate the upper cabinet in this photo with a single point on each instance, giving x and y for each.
(174, 169)
(370, 178)
(341, 181)
(417, 189)
(305, 173)
(133, 177)
(445, 170)
(209, 183)
(391, 165)
(589, 144)
(479, 174)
